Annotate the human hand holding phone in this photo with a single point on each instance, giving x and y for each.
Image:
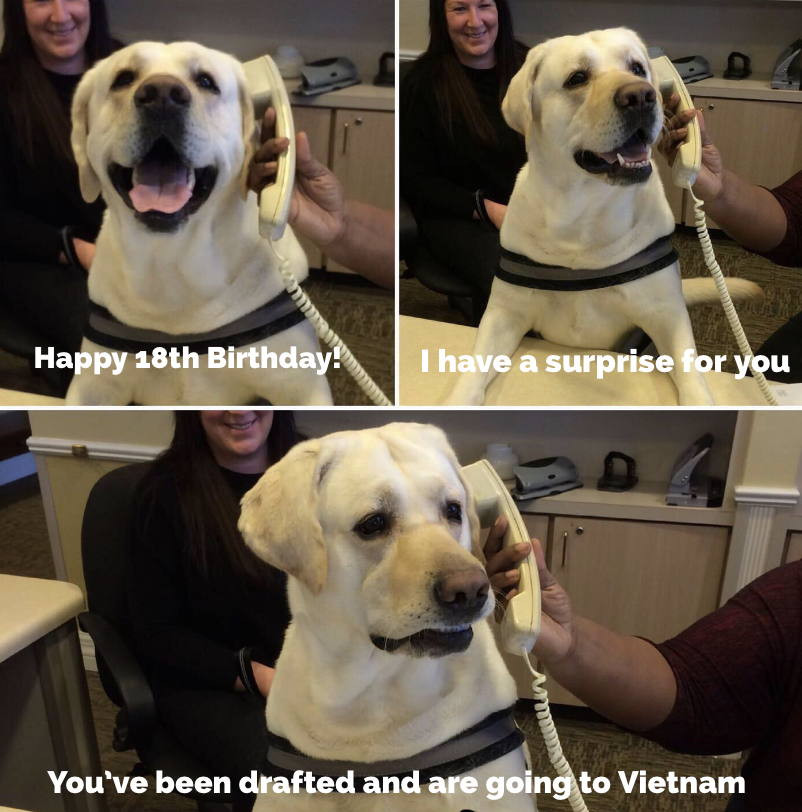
(318, 208)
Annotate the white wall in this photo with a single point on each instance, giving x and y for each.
(655, 439)
(760, 28)
(359, 29)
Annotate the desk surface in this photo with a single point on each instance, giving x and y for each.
(31, 608)
(516, 388)
(11, 397)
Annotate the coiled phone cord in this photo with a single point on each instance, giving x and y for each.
(549, 733)
(326, 334)
(726, 301)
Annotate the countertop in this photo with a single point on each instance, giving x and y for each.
(756, 87)
(30, 608)
(365, 96)
(646, 501)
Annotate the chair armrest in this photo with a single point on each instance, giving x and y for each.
(130, 685)
(407, 231)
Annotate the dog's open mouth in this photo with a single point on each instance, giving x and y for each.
(163, 189)
(629, 163)
(428, 642)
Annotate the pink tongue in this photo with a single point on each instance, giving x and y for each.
(161, 187)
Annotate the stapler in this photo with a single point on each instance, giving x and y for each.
(788, 70)
(610, 481)
(692, 68)
(326, 75)
(690, 486)
(545, 477)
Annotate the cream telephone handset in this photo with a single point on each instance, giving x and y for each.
(267, 90)
(521, 623)
(520, 626)
(689, 156)
(685, 171)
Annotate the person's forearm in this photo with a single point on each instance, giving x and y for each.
(749, 214)
(367, 244)
(623, 678)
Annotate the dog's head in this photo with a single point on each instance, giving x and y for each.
(160, 129)
(589, 104)
(377, 526)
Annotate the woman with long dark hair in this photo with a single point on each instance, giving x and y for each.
(209, 615)
(47, 231)
(459, 159)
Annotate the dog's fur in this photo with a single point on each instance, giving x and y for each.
(562, 213)
(357, 679)
(201, 267)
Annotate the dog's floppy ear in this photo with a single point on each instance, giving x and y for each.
(279, 517)
(249, 136)
(519, 99)
(88, 179)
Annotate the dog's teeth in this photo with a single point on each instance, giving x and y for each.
(190, 178)
(621, 159)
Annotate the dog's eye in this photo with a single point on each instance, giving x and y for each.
(125, 78)
(205, 82)
(454, 512)
(638, 69)
(576, 79)
(372, 526)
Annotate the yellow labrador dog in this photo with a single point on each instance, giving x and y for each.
(165, 133)
(585, 251)
(389, 653)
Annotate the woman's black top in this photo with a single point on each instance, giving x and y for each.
(440, 176)
(188, 627)
(37, 201)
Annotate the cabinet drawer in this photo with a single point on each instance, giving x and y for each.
(641, 578)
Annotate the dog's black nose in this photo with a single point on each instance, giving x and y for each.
(162, 92)
(463, 592)
(636, 96)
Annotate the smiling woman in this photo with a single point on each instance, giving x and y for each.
(459, 158)
(47, 231)
(209, 615)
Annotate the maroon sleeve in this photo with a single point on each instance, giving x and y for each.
(789, 251)
(737, 669)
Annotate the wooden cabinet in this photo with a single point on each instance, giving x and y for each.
(316, 123)
(363, 158)
(761, 141)
(359, 147)
(794, 548)
(643, 578)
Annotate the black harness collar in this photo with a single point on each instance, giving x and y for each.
(520, 270)
(495, 736)
(277, 315)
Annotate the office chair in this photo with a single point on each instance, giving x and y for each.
(105, 542)
(468, 300)
(17, 338)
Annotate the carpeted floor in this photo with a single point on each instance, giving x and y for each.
(782, 288)
(596, 747)
(362, 315)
